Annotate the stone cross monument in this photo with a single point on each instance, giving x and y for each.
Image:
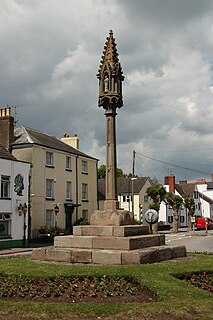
(110, 77)
(111, 237)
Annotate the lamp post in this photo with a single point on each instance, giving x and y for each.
(56, 211)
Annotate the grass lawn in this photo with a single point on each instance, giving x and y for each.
(177, 299)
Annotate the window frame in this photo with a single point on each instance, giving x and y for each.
(49, 221)
(69, 190)
(85, 213)
(5, 187)
(51, 183)
(85, 192)
(84, 166)
(49, 161)
(6, 219)
(68, 165)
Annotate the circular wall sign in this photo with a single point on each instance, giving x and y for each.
(151, 216)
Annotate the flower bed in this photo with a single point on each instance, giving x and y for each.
(203, 280)
(72, 289)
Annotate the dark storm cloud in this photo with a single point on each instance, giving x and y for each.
(50, 54)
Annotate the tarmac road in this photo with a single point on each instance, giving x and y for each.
(198, 241)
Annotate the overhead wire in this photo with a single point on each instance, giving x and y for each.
(172, 164)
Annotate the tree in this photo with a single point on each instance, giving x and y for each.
(102, 172)
(175, 202)
(157, 193)
(190, 205)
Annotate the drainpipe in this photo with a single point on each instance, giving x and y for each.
(76, 185)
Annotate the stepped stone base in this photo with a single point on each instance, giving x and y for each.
(109, 257)
(107, 245)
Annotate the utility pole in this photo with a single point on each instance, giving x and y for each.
(133, 178)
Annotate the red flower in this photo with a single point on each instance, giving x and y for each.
(88, 275)
(35, 286)
(204, 274)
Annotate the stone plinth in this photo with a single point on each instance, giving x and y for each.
(113, 231)
(120, 245)
(111, 218)
(110, 242)
(110, 257)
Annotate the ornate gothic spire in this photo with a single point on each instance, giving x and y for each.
(110, 76)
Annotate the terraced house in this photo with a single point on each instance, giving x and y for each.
(63, 180)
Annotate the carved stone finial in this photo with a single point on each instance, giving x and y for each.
(110, 76)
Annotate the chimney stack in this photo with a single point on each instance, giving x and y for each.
(6, 127)
(170, 181)
(71, 141)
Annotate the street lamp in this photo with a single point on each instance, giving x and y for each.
(132, 179)
(56, 211)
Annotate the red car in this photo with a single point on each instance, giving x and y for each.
(202, 222)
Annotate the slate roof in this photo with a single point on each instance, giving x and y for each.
(186, 189)
(24, 136)
(124, 186)
(5, 154)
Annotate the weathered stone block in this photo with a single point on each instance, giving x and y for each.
(39, 254)
(81, 256)
(111, 243)
(73, 242)
(148, 256)
(178, 252)
(106, 257)
(93, 231)
(111, 218)
(164, 253)
(139, 242)
(130, 257)
(58, 255)
(126, 231)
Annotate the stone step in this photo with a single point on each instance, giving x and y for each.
(111, 243)
(114, 231)
(109, 257)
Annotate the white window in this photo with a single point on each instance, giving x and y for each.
(170, 219)
(5, 187)
(84, 191)
(5, 225)
(85, 214)
(68, 190)
(49, 159)
(127, 198)
(84, 166)
(49, 218)
(49, 188)
(68, 163)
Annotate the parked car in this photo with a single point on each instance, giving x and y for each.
(209, 223)
(202, 222)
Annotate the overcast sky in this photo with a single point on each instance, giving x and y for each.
(50, 54)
